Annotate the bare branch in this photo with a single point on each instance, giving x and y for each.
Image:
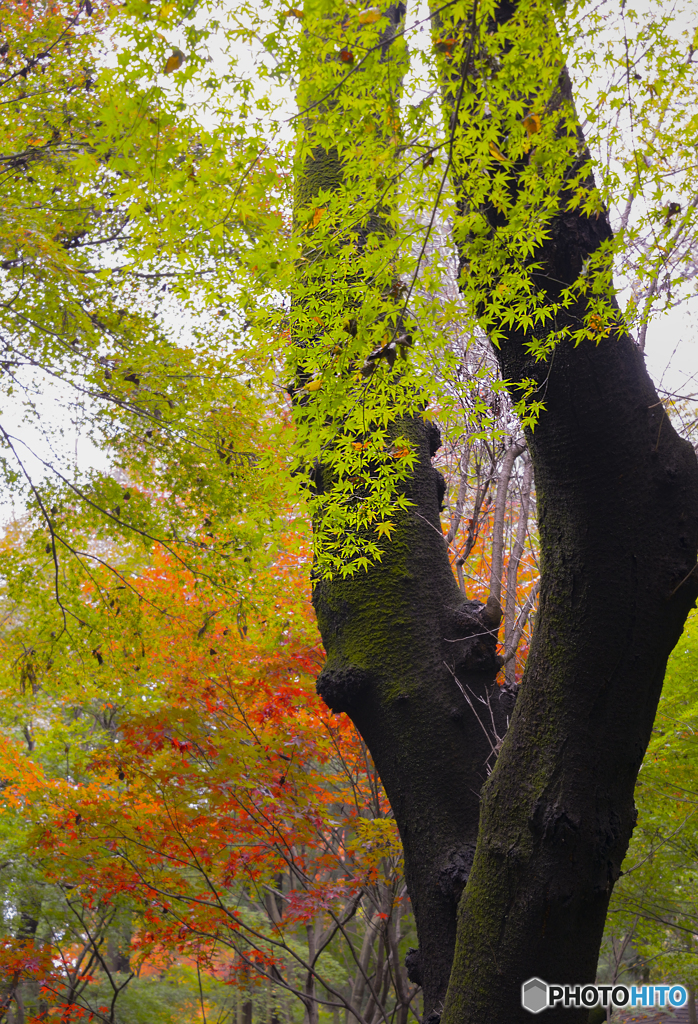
(460, 500)
(500, 503)
(521, 622)
(515, 561)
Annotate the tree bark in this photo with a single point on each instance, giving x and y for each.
(618, 528)
(405, 653)
(617, 494)
(414, 664)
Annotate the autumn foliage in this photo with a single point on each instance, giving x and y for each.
(240, 823)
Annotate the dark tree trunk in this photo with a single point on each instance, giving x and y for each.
(618, 501)
(409, 659)
(401, 641)
(617, 494)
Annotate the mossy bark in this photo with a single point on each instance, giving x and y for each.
(618, 506)
(617, 494)
(402, 645)
(414, 664)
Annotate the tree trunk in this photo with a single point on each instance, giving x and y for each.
(513, 626)
(500, 505)
(617, 494)
(14, 986)
(312, 1010)
(618, 529)
(414, 664)
(408, 657)
(119, 936)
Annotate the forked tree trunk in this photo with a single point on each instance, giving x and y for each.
(410, 660)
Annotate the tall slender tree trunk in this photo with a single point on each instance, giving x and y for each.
(312, 1012)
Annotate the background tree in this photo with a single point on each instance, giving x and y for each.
(103, 277)
(214, 817)
(652, 917)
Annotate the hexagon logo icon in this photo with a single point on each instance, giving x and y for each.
(534, 995)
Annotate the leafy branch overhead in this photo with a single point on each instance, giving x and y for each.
(149, 155)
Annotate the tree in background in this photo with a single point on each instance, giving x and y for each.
(652, 918)
(122, 219)
(214, 817)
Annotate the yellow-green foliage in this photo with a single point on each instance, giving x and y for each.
(655, 902)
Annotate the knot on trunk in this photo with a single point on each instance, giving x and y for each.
(558, 826)
(610, 841)
(433, 438)
(471, 641)
(342, 688)
(454, 873)
(413, 966)
(440, 489)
